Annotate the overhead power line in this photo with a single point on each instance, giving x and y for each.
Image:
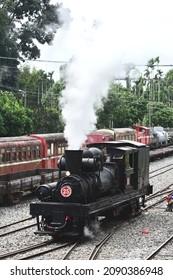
(65, 61)
(158, 65)
(37, 60)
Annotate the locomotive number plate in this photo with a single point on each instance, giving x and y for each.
(66, 191)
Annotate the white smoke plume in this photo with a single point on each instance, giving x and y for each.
(102, 36)
(92, 230)
(92, 67)
(88, 232)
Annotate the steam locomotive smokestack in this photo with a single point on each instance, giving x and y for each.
(73, 161)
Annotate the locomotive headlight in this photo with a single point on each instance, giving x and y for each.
(67, 173)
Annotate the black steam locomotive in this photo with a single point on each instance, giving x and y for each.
(104, 179)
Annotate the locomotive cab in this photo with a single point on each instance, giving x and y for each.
(125, 160)
(132, 159)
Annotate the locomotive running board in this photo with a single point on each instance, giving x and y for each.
(82, 210)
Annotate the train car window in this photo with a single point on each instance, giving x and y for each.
(13, 154)
(24, 155)
(127, 164)
(8, 155)
(129, 161)
(38, 151)
(56, 148)
(19, 153)
(34, 156)
(48, 149)
(52, 149)
(2, 155)
(60, 149)
(28, 153)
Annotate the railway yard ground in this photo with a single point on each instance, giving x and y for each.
(146, 236)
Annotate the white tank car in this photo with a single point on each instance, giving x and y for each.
(162, 135)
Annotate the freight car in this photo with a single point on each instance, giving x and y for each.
(104, 179)
(27, 161)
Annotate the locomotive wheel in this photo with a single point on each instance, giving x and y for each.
(126, 211)
(131, 209)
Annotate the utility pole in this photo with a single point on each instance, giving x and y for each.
(159, 89)
(38, 100)
(150, 106)
(23, 92)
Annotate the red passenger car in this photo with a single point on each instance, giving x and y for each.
(25, 161)
(53, 145)
(103, 135)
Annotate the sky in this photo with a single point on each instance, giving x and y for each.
(138, 30)
(103, 37)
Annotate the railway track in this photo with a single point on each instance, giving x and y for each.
(160, 168)
(17, 229)
(161, 172)
(15, 223)
(160, 247)
(107, 230)
(24, 250)
(73, 245)
(46, 251)
(101, 243)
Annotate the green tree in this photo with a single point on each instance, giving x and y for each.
(149, 84)
(14, 118)
(47, 120)
(162, 115)
(167, 89)
(24, 24)
(8, 48)
(34, 84)
(52, 96)
(47, 117)
(121, 108)
(42, 96)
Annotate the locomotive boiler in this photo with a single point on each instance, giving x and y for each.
(103, 179)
